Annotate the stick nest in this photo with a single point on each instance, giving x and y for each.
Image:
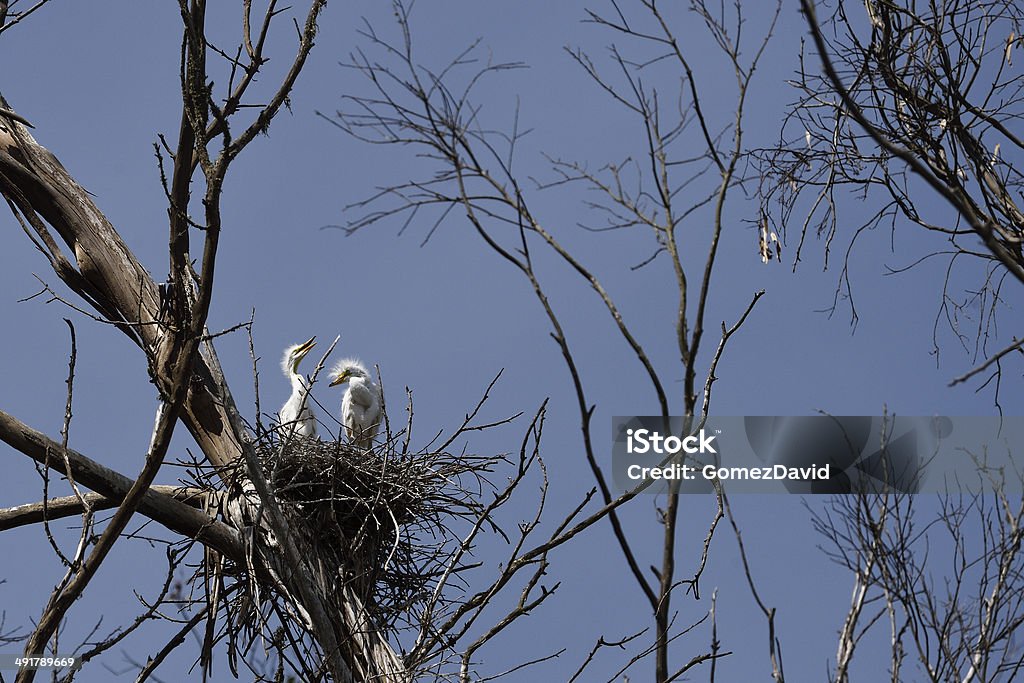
(373, 518)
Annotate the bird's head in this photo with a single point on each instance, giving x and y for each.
(293, 355)
(346, 370)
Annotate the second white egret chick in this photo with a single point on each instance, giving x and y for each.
(360, 408)
(296, 415)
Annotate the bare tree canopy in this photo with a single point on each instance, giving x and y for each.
(914, 109)
(602, 201)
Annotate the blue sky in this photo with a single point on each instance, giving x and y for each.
(443, 318)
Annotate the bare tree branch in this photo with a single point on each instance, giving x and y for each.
(67, 506)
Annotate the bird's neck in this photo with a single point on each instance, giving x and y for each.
(298, 382)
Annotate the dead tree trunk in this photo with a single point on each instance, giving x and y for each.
(167, 322)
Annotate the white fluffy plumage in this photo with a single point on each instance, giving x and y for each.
(296, 415)
(360, 407)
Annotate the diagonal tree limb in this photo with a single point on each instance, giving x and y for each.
(62, 598)
(69, 506)
(119, 287)
(174, 514)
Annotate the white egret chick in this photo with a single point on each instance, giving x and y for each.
(360, 408)
(296, 415)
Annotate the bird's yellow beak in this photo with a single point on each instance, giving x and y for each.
(306, 347)
(301, 352)
(340, 379)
